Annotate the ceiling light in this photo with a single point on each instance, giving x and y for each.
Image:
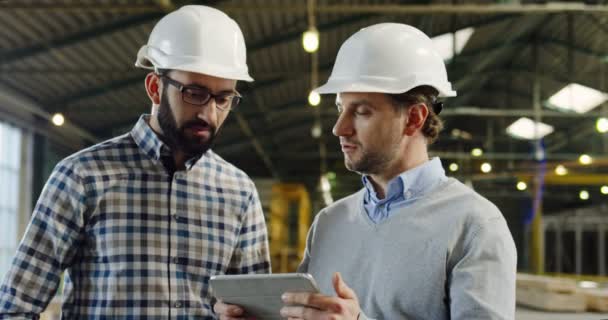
(521, 186)
(578, 98)
(602, 125)
(604, 189)
(314, 98)
(58, 119)
(477, 152)
(453, 167)
(486, 167)
(584, 195)
(310, 40)
(560, 170)
(444, 43)
(585, 159)
(525, 128)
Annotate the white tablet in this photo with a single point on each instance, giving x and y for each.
(260, 294)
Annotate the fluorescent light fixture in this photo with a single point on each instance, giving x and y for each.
(444, 43)
(525, 128)
(577, 98)
(310, 40)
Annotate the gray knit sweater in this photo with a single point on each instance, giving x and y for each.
(449, 255)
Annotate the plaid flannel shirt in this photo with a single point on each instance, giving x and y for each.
(136, 241)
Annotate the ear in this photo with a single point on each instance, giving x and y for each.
(153, 87)
(416, 116)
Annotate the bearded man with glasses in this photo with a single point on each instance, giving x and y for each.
(139, 223)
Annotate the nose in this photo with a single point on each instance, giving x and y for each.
(208, 110)
(343, 126)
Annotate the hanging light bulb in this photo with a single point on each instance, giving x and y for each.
(486, 167)
(602, 125)
(477, 152)
(58, 119)
(314, 98)
(560, 170)
(310, 40)
(585, 159)
(453, 166)
(521, 186)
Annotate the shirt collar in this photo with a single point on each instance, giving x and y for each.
(147, 140)
(413, 182)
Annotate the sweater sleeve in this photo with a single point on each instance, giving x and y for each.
(482, 281)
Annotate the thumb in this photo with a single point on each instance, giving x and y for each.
(341, 288)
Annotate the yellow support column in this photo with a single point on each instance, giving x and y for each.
(286, 256)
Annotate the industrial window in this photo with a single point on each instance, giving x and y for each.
(10, 166)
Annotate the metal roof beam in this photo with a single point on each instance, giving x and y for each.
(283, 38)
(518, 29)
(54, 44)
(427, 9)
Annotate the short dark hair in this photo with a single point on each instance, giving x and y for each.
(421, 94)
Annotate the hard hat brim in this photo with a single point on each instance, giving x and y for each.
(337, 86)
(151, 58)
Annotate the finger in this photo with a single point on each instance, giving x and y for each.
(228, 310)
(301, 312)
(314, 300)
(342, 290)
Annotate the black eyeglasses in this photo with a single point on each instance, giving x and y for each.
(200, 95)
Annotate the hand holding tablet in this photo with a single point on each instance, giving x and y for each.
(260, 294)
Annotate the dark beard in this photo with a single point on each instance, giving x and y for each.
(175, 137)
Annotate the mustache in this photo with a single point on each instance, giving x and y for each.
(198, 123)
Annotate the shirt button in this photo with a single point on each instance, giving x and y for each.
(176, 260)
(176, 217)
(177, 304)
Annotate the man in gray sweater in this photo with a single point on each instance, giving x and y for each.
(413, 243)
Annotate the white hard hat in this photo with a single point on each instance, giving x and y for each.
(197, 39)
(388, 58)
